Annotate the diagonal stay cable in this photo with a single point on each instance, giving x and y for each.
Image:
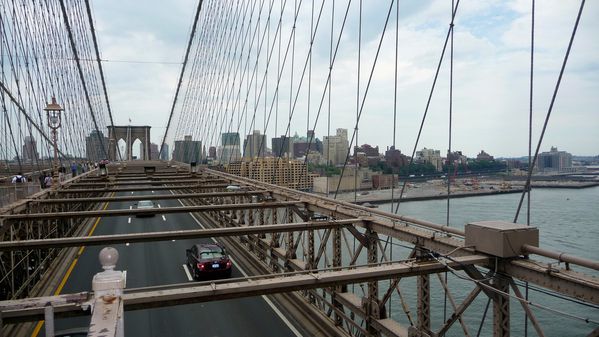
(430, 96)
(301, 81)
(333, 57)
(95, 40)
(81, 76)
(22, 110)
(193, 31)
(374, 63)
(559, 80)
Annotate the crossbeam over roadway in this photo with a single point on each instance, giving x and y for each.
(163, 210)
(177, 294)
(99, 240)
(150, 197)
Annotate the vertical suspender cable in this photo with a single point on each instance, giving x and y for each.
(193, 30)
(449, 154)
(372, 69)
(310, 135)
(93, 33)
(532, 53)
(358, 102)
(428, 102)
(292, 70)
(76, 56)
(548, 115)
(394, 120)
(329, 103)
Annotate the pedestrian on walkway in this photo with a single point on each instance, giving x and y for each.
(73, 169)
(48, 180)
(42, 180)
(19, 178)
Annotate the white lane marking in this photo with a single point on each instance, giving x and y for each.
(129, 221)
(189, 278)
(163, 218)
(130, 206)
(266, 299)
(158, 205)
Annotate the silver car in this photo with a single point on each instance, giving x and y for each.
(145, 205)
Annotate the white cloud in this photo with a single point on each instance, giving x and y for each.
(491, 70)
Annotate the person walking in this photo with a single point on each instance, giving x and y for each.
(73, 170)
(42, 179)
(19, 178)
(48, 180)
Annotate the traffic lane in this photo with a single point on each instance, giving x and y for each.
(87, 265)
(239, 317)
(158, 263)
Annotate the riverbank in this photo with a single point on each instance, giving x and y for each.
(437, 189)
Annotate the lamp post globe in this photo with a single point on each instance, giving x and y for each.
(53, 111)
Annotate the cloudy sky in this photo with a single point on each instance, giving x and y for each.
(143, 47)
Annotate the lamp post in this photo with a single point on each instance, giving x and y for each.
(53, 111)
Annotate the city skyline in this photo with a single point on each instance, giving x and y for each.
(383, 148)
(491, 72)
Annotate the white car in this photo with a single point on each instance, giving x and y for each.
(147, 205)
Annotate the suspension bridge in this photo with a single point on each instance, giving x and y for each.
(79, 257)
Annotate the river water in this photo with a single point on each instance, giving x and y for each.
(568, 221)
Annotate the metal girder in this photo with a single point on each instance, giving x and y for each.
(140, 182)
(336, 205)
(426, 235)
(97, 240)
(529, 313)
(141, 188)
(32, 309)
(163, 210)
(148, 197)
(564, 281)
(501, 308)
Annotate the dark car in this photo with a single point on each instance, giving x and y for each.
(208, 261)
(147, 205)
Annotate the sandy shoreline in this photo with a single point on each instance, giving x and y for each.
(436, 189)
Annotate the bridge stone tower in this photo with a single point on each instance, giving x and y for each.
(129, 134)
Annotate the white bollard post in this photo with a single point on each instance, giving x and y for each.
(107, 311)
(49, 320)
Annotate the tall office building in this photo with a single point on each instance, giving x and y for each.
(153, 151)
(96, 146)
(230, 150)
(254, 145)
(165, 152)
(212, 152)
(282, 147)
(335, 148)
(430, 156)
(554, 160)
(188, 150)
(29, 149)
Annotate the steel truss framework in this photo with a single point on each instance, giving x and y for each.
(295, 236)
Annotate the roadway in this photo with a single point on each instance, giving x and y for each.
(159, 263)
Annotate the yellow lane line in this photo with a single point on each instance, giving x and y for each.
(39, 324)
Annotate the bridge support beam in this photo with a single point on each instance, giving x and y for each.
(372, 302)
(501, 308)
(424, 300)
